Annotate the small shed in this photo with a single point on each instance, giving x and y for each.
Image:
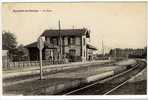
(34, 51)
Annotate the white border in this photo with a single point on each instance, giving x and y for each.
(71, 0)
(88, 97)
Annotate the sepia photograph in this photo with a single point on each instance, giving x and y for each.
(74, 48)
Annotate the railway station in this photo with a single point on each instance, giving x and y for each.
(48, 73)
(74, 49)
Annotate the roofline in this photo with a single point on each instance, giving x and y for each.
(85, 33)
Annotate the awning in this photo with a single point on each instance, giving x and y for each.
(89, 46)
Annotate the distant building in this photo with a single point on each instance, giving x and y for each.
(73, 45)
(128, 53)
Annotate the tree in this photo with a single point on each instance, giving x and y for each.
(22, 52)
(16, 53)
(8, 41)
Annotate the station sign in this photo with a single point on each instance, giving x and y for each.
(40, 43)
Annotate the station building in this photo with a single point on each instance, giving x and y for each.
(72, 43)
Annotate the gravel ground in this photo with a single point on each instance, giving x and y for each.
(140, 76)
(135, 88)
(136, 85)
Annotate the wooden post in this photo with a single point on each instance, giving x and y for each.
(41, 74)
(40, 46)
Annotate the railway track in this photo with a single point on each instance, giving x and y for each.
(108, 85)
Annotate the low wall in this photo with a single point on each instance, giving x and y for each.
(126, 62)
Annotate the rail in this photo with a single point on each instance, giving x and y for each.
(106, 79)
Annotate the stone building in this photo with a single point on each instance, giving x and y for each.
(70, 43)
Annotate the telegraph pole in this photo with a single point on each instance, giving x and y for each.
(60, 40)
(102, 48)
(115, 53)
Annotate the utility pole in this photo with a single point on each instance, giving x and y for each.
(115, 53)
(60, 40)
(102, 48)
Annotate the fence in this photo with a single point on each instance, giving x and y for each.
(23, 64)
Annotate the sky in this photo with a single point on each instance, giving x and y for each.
(117, 24)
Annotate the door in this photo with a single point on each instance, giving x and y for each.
(72, 53)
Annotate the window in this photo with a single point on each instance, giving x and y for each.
(72, 52)
(77, 40)
(68, 40)
(54, 41)
(71, 41)
(65, 41)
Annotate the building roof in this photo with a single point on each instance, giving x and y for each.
(46, 45)
(34, 44)
(89, 46)
(66, 32)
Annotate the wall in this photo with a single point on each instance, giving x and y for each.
(76, 47)
(79, 46)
